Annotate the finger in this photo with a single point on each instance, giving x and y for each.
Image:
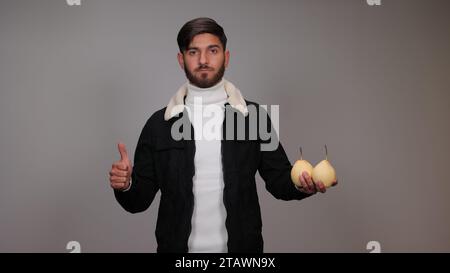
(304, 190)
(120, 165)
(321, 187)
(123, 152)
(117, 172)
(303, 182)
(118, 186)
(117, 179)
(334, 183)
(308, 179)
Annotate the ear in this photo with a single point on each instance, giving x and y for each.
(227, 58)
(180, 60)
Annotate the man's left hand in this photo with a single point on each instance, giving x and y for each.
(309, 186)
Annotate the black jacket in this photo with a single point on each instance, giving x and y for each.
(163, 163)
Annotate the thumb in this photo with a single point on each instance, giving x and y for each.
(123, 152)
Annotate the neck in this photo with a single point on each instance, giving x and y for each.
(211, 95)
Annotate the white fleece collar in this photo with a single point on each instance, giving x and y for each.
(176, 103)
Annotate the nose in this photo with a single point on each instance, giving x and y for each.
(203, 58)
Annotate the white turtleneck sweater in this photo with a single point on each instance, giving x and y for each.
(206, 113)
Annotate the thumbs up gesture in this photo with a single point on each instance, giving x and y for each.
(120, 174)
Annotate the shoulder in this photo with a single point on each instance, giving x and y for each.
(256, 108)
(158, 116)
(251, 103)
(155, 121)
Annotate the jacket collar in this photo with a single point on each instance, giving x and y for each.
(176, 103)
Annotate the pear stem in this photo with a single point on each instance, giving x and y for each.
(301, 153)
(326, 152)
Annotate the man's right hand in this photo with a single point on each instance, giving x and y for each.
(120, 174)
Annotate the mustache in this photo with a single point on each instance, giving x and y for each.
(204, 67)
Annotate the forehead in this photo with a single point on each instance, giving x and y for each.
(205, 40)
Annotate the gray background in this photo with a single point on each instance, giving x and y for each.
(371, 82)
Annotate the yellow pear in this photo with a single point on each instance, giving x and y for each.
(299, 167)
(324, 172)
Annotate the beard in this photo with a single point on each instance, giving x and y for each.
(203, 81)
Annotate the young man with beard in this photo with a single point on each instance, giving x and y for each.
(209, 201)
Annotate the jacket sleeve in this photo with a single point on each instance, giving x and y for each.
(275, 168)
(144, 184)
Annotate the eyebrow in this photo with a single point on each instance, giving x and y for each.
(209, 47)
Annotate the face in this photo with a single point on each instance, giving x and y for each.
(204, 61)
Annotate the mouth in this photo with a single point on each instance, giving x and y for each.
(204, 70)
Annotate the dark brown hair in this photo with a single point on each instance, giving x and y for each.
(199, 26)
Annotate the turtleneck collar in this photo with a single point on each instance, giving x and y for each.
(211, 95)
(234, 98)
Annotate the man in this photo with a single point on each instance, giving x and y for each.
(191, 152)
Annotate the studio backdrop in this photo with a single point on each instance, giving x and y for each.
(370, 79)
